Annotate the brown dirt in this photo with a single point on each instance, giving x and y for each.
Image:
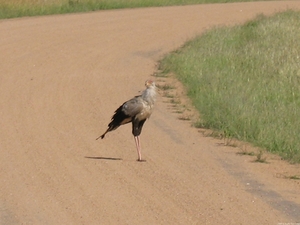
(61, 77)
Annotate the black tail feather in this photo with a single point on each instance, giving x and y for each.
(101, 136)
(118, 119)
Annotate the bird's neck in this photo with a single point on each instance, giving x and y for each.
(149, 95)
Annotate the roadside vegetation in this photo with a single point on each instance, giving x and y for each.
(245, 81)
(20, 8)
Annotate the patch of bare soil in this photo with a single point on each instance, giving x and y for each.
(61, 78)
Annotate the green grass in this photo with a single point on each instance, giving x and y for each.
(20, 8)
(245, 81)
(294, 177)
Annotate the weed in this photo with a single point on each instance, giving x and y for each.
(294, 177)
(164, 87)
(175, 101)
(179, 111)
(186, 118)
(168, 95)
(260, 158)
(246, 153)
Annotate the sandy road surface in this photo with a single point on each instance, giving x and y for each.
(62, 76)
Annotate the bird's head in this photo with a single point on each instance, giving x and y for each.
(149, 83)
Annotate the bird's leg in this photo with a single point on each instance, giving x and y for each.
(138, 147)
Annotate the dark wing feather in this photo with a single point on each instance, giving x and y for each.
(119, 118)
(124, 114)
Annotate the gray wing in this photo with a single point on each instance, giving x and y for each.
(133, 106)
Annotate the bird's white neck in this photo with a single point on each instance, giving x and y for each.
(149, 94)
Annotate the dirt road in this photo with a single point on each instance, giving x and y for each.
(61, 77)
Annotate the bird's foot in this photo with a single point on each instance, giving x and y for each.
(141, 160)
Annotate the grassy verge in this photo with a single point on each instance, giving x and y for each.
(20, 8)
(245, 81)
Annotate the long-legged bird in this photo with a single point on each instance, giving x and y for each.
(136, 110)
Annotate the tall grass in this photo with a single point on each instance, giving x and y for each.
(19, 8)
(245, 81)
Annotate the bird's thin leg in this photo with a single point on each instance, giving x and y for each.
(138, 147)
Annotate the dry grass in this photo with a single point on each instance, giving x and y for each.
(245, 81)
(19, 8)
(33, 2)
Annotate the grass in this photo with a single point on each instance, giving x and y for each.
(294, 177)
(260, 158)
(164, 87)
(245, 81)
(20, 8)
(246, 153)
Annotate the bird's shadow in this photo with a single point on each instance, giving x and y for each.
(103, 158)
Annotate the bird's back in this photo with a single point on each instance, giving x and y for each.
(135, 110)
(133, 106)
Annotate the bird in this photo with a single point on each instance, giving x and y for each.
(136, 110)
